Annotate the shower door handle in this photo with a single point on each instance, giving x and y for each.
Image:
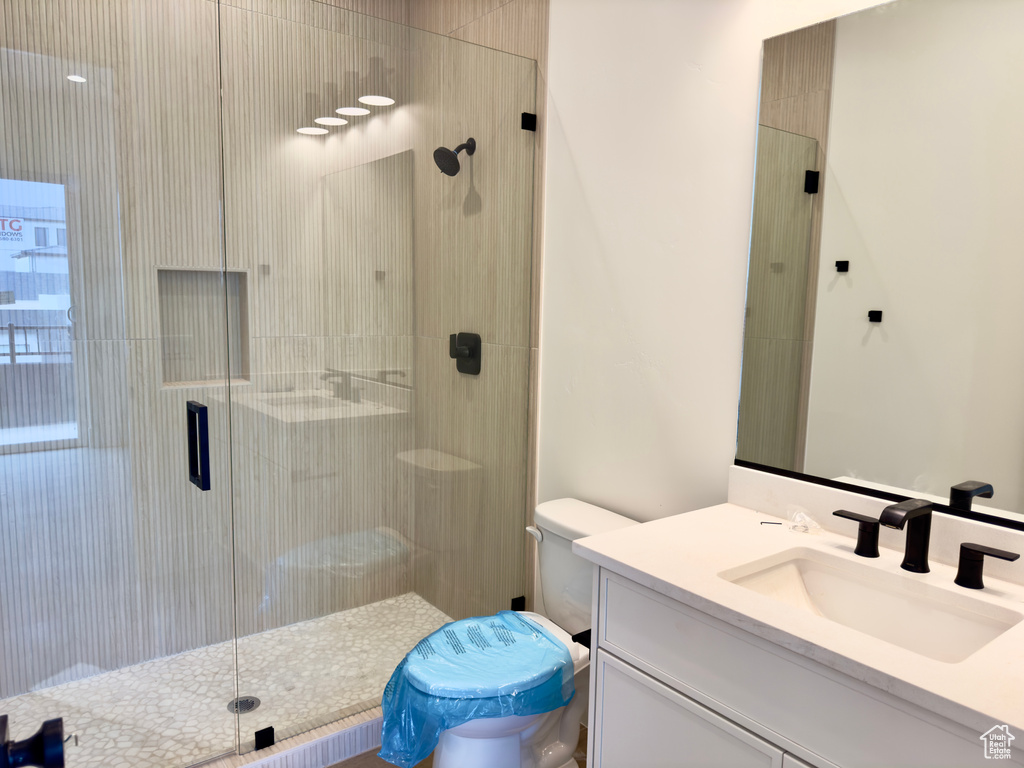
(198, 446)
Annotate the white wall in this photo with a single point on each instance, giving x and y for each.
(652, 113)
(923, 195)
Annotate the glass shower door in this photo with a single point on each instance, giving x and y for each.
(115, 571)
(377, 492)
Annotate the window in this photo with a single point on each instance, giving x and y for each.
(62, 237)
(41, 236)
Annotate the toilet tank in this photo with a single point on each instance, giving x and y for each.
(566, 580)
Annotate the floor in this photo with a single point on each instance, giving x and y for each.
(370, 759)
(173, 712)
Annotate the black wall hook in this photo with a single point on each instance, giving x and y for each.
(464, 348)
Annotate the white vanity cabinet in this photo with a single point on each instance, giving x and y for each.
(674, 686)
(644, 722)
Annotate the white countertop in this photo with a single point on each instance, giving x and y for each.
(682, 556)
(310, 406)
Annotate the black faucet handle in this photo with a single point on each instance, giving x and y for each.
(972, 560)
(867, 532)
(961, 494)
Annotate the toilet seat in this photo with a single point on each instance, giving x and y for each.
(486, 667)
(579, 654)
(480, 658)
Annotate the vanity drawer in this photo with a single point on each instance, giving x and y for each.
(825, 716)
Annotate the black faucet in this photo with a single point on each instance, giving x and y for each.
(960, 495)
(918, 513)
(342, 388)
(867, 532)
(382, 376)
(972, 558)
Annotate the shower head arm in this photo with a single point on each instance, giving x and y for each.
(469, 146)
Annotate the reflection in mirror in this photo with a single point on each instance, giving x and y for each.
(915, 108)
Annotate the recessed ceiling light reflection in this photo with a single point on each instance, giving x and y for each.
(330, 121)
(353, 111)
(76, 78)
(376, 101)
(313, 131)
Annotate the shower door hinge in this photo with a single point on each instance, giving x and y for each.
(529, 121)
(811, 182)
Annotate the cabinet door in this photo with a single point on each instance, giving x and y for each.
(639, 721)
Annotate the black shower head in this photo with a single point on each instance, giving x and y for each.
(448, 160)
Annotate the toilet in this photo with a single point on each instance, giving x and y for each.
(549, 739)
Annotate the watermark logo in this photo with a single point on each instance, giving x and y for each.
(997, 740)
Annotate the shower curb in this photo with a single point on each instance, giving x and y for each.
(327, 750)
(313, 751)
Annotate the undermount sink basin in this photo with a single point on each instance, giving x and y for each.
(945, 625)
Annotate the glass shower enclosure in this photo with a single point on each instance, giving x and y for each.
(240, 474)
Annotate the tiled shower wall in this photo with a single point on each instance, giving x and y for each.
(519, 27)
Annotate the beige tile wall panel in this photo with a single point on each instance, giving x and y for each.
(474, 539)
(531, 469)
(521, 27)
(297, 73)
(776, 298)
(199, 311)
(68, 565)
(798, 62)
(367, 251)
(372, 354)
(796, 97)
(183, 535)
(389, 10)
(344, 201)
(66, 137)
(479, 245)
(769, 400)
(446, 16)
(518, 26)
(780, 236)
(171, 149)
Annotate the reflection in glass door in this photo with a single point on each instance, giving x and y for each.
(377, 491)
(115, 571)
(35, 318)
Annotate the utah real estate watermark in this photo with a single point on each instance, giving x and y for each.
(997, 741)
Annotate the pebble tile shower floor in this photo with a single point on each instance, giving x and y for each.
(173, 712)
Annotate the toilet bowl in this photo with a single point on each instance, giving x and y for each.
(521, 738)
(546, 740)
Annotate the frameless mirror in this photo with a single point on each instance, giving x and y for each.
(882, 346)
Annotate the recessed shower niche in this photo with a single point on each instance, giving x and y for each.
(193, 346)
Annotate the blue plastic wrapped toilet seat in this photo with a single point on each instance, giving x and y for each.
(486, 666)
